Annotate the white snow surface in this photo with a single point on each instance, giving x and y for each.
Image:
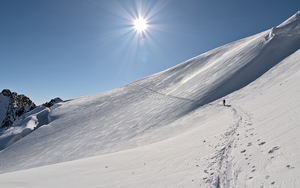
(171, 129)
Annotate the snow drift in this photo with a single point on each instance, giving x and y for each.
(23, 126)
(170, 128)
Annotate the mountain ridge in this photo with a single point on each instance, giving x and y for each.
(13, 106)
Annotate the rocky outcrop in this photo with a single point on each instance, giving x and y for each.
(17, 106)
(52, 102)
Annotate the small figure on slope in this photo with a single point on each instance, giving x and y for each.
(224, 102)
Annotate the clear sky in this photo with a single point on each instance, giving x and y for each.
(73, 48)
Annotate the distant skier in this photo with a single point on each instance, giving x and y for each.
(224, 102)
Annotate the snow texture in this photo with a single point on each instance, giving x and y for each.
(172, 130)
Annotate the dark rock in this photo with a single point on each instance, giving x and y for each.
(6, 92)
(17, 106)
(52, 102)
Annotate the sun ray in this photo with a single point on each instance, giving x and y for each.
(137, 34)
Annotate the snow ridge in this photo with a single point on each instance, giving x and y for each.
(295, 18)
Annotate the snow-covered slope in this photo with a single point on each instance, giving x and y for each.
(170, 129)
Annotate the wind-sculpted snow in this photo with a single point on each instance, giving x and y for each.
(290, 27)
(219, 72)
(24, 126)
(291, 23)
(167, 130)
(128, 117)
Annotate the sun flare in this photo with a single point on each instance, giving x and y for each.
(140, 24)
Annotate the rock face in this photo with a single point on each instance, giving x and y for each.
(13, 106)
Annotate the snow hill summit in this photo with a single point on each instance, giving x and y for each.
(171, 129)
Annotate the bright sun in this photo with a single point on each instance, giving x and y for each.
(140, 24)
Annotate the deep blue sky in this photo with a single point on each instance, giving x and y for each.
(73, 48)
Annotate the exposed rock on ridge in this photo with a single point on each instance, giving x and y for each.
(16, 107)
(52, 102)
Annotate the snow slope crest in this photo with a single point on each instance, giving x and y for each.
(290, 20)
(290, 26)
(245, 60)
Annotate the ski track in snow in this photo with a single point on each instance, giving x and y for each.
(224, 168)
(221, 171)
(166, 95)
